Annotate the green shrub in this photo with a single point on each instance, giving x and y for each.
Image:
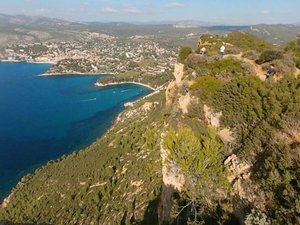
(206, 86)
(294, 48)
(225, 69)
(184, 53)
(200, 160)
(236, 42)
(268, 56)
(240, 100)
(278, 174)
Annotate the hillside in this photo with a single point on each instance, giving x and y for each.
(278, 34)
(219, 145)
(26, 29)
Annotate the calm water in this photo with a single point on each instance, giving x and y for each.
(42, 118)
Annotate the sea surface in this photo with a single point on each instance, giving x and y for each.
(43, 118)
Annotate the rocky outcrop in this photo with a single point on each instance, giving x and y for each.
(141, 111)
(211, 117)
(184, 102)
(226, 135)
(171, 94)
(244, 188)
(172, 89)
(170, 172)
(179, 72)
(177, 94)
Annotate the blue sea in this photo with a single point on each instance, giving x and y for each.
(43, 118)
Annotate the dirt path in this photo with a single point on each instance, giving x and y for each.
(297, 72)
(259, 71)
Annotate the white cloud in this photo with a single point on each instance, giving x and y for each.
(109, 10)
(132, 10)
(175, 5)
(42, 10)
(126, 10)
(265, 12)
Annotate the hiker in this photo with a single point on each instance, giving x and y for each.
(202, 51)
(222, 51)
(271, 71)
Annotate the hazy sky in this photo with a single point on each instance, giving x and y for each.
(220, 11)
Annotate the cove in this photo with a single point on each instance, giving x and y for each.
(45, 117)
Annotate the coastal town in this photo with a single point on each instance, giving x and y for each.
(95, 53)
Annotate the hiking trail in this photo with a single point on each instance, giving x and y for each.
(259, 71)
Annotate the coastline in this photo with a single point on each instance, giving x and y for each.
(35, 62)
(79, 73)
(28, 176)
(73, 73)
(125, 82)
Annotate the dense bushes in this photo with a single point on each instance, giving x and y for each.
(235, 42)
(294, 48)
(278, 174)
(265, 118)
(206, 87)
(200, 160)
(225, 69)
(268, 56)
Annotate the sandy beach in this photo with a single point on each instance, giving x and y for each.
(127, 82)
(73, 73)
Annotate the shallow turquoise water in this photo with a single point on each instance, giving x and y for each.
(42, 118)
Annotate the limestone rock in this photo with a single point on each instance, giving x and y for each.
(178, 72)
(239, 177)
(171, 94)
(184, 102)
(211, 117)
(226, 135)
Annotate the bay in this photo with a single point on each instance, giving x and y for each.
(45, 117)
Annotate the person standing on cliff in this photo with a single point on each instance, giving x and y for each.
(202, 51)
(222, 51)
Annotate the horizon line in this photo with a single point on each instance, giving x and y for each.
(152, 22)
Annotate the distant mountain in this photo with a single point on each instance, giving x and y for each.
(20, 29)
(27, 29)
(21, 20)
(278, 34)
(194, 23)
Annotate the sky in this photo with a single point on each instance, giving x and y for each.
(237, 12)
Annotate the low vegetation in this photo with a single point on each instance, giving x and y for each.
(268, 56)
(235, 42)
(184, 53)
(212, 66)
(294, 48)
